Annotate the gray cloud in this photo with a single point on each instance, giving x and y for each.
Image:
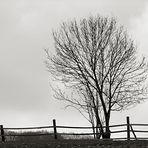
(25, 30)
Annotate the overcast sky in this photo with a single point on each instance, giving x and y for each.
(25, 31)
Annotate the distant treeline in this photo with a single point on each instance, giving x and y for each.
(33, 136)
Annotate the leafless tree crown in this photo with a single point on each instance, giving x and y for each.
(98, 59)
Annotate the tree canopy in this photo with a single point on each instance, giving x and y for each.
(96, 57)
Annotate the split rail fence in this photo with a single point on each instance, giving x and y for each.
(129, 130)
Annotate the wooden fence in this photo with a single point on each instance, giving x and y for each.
(129, 130)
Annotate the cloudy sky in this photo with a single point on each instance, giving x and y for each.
(26, 98)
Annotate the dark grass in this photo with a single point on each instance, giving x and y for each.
(77, 144)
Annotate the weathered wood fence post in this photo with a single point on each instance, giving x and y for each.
(128, 128)
(2, 133)
(55, 129)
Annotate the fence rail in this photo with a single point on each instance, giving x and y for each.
(129, 130)
(27, 128)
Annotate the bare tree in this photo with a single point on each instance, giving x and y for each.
(98, 60)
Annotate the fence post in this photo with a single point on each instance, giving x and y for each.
(128, 127)
(133, 132)
(55, 129)
(2, 133)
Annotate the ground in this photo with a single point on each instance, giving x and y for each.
(78, 144)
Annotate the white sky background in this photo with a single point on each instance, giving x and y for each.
(25, 31)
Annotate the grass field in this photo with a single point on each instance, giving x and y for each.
(77, 144)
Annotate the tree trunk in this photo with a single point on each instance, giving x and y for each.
(99, 128)
(106, 134)
(94, 131)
